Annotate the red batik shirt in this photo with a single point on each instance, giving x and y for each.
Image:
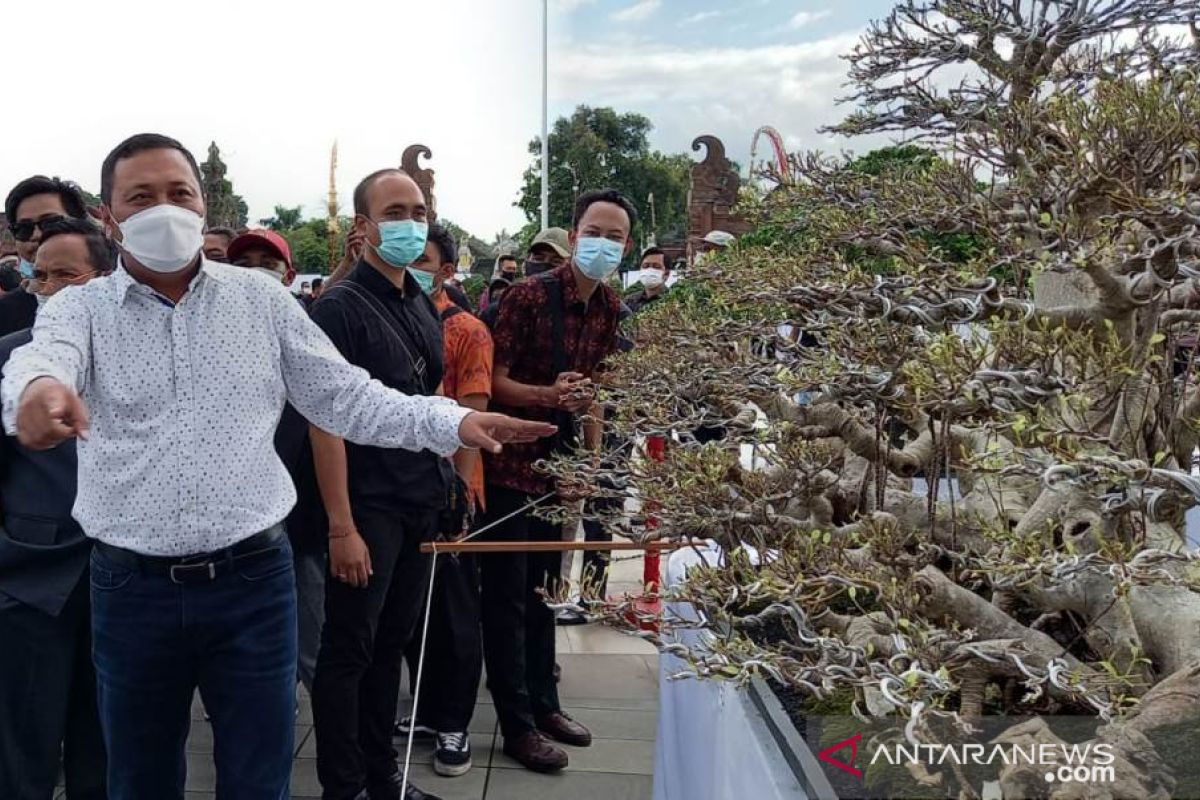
(523, 343)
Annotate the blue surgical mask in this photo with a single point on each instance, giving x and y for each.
(401, 242)
(424, 279)
(598, 258)
(25, 268)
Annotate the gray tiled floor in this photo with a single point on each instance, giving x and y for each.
(614, 694)
(610, 683)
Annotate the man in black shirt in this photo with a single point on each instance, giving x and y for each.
(381, 504)
(269, 254)
(10, 278)
(653, 280)
(48, 706)
(32, 202)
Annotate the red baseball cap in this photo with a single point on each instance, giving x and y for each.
(261, 237)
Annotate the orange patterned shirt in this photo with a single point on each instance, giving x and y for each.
(467, 348)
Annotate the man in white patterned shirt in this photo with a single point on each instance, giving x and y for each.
(173, 373)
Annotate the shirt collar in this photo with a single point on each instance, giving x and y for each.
(125, 282)
(566, 276)
(369, 277)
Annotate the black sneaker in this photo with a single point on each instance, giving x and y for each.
(570, 617)
(453, 755)
(405, 727)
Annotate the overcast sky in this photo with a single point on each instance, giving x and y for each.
(274, 83)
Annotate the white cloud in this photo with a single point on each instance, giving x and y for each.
(726, 91)
(805, 18)
(637, 12)
(701, 16)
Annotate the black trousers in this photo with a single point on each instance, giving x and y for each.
(48, 702)
(366, 630)
(518, 628)
(453, 648)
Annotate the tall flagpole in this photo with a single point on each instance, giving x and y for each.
(545, 114)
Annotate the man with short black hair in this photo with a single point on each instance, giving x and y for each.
(32, 202)
(653, 280)
(318, 286)
(47, 681)
(217, 241)
(184, 366)
(552, 336)
(382, 504)
(508, 267)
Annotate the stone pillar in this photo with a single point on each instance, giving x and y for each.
(423, 176)
(712, 195)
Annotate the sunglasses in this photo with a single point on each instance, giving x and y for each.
(22, 231)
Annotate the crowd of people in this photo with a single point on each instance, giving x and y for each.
(209, 484)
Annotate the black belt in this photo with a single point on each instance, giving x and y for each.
(201, 567)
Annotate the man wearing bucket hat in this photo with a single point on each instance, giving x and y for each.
(714, 241)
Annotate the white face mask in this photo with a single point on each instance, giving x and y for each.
(274, 275)
(164, 238)
(652, 278)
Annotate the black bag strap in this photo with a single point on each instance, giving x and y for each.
(419, 367)
(559, 359)
(451, 311)
(568, 424)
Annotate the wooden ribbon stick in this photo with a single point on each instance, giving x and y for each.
(549, 547)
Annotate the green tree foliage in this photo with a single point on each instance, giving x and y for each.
(284, 220)
(309, 242)
(597, 148)
(893, 160)
(479, 248)
(224, 207)
(473, 286)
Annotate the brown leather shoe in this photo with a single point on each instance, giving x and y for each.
(560, 727)
(534, 752)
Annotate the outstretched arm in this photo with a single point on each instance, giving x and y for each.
(43, 379)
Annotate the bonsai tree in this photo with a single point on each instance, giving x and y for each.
(1002, 312)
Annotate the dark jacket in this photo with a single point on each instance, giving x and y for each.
(17, 310)
(43, 552)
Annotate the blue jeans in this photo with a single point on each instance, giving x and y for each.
(310, 599)
(155, 641)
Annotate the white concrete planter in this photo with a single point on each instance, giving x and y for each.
(717, 741)
(794, 751)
